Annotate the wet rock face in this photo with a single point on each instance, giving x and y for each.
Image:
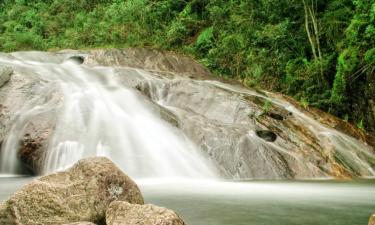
(5, 73)
(82, 193)
(31, 152)
(223, 121)
(25, 92)
(123, 213)
(151, 60)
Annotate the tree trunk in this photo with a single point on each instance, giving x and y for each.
(307, 27)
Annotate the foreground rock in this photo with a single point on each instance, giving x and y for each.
(123, 213)
(372, 220)
(82, 193)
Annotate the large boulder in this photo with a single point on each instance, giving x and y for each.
(82, 193)
(123, 213)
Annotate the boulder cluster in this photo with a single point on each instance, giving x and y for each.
(93, 191)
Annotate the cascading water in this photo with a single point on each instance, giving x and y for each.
(97, 116)
(96, 111)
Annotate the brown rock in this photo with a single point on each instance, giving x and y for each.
(80, 223)
(30, 152)
(372, 220)
(123, 213)
(82, 193)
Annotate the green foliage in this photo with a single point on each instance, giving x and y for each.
(260, 43)
(360, 124)
(205, 39)
(347, 62)
(266, 107)
(304, 102)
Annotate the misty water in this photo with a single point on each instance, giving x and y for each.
(202, 202)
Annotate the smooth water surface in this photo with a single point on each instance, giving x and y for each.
(254, 202)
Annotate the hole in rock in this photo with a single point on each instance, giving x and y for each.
(266, 135)
(276, 116)
(76, 59)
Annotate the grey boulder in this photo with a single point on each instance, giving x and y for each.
(123, 213)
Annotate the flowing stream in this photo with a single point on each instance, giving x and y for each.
(97, 116)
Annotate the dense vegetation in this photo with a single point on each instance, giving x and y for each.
(321, 52)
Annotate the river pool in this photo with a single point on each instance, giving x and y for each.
(202, 202)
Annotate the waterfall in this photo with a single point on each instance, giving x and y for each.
(96, 115)
(72, 111)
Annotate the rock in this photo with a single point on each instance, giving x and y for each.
(123, 213)
(372, 220)
(223, 121)
(276, 116)
(147, 59)
(80, 223)
(82, 193)
(76, 59)
(21, 101)
(5, 73)
(31, 151)
(266, 135)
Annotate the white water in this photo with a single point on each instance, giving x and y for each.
(96, 115)
(101, 117)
